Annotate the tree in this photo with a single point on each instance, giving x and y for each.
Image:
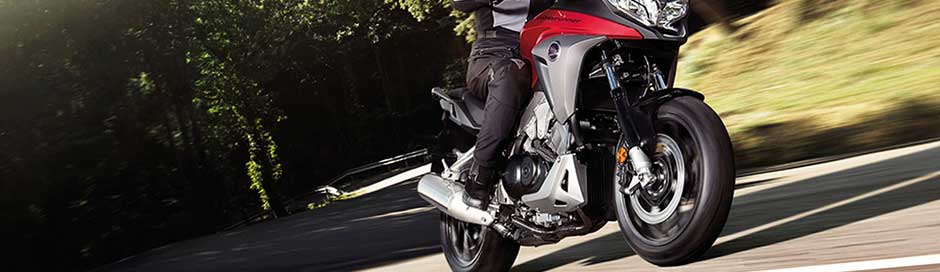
(131, 124)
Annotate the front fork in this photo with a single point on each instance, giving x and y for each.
(636, 131)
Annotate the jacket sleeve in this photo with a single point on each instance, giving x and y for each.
(469, 5)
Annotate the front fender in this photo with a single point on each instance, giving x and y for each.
(645, 110)
(653, 101)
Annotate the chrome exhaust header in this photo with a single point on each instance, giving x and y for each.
(447, 196)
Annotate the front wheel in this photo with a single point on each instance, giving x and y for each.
(676, 219)
(471, 247)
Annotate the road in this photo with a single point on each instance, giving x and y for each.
(877, 211)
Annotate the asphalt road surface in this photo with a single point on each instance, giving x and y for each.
(877, 212)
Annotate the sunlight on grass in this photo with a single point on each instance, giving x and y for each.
(313, 205)
(849, 67)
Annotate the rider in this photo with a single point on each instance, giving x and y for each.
(497, 74)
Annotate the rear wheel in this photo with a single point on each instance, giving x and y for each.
(678, 217)
(471, 247)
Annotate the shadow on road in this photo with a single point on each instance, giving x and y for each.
(763, 207)
(788, 200)
(364, 232)
(395, 225)
(599, 250)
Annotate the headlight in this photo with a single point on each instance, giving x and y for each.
(655, 13)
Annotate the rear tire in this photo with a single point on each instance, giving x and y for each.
(482, 250)
(668, 234)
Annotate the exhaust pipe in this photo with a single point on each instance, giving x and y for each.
(447, 196)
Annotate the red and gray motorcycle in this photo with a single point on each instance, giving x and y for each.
(605, 137)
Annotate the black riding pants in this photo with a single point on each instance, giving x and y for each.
(501, 78)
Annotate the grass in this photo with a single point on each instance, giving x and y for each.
(804, 79)
(330, 200)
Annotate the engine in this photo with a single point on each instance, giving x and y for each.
(524, 175)
(545, 180)
(526, 171)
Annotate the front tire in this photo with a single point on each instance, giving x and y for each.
(471, 247)
(676, 221)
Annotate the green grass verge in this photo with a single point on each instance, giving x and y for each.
(810, 78)
(330, 200)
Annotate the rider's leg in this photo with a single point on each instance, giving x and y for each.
(507, 81)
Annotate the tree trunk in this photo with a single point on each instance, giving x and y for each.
(273, 190)
(268, 182)
(350, 135)
(383, 76)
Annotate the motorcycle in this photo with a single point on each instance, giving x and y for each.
(605, 137)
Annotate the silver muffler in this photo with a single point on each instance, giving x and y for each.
(447, 196)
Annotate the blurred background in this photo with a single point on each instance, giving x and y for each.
(128, 125)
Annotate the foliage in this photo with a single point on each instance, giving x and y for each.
(126, 125)
(420, 8)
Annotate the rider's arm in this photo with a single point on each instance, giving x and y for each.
(469, 5)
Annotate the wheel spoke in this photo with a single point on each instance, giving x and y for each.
(454, 232)
(466, 241)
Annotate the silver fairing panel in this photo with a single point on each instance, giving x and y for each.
(560, 74)
(564, 189)
(536, 118)
(528, 115)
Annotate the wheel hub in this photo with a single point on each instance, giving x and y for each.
(658, 187)
(660, 199)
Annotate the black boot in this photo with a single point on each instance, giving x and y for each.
(480, 187)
